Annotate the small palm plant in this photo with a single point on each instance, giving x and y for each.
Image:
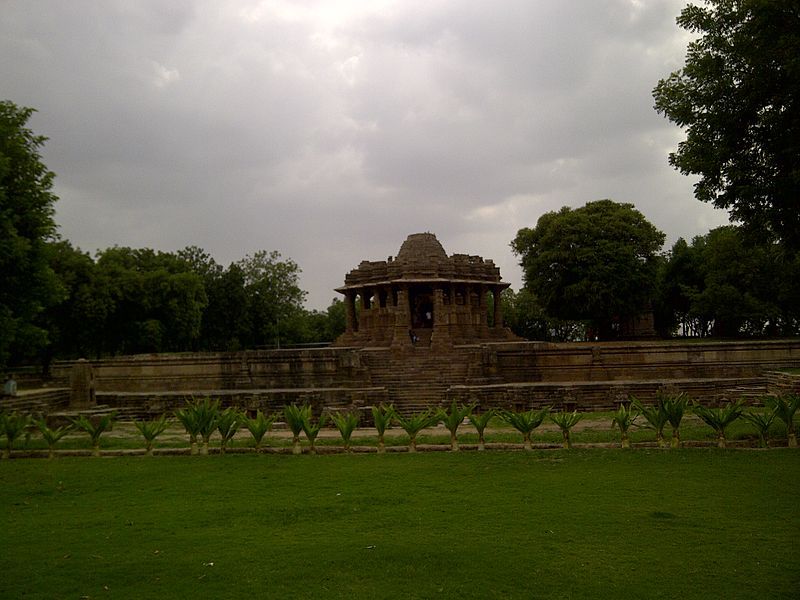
(312, 429)
(382, 416)
(480, 422)
(95, 428)
(346, 423)
(296, 417)
(207, 413)
(566, 421)
(525, 422)
(188, 417)
(624, 418)
(13, 426)
(415, 423)
(228, 423)
(785, 406)
(454, 417)
(259, 426)
(762, 422)
(674, 406)
(150, 430)
(719, 418)
(655, 416)
(52, 436)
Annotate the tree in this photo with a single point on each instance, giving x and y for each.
(594, 263)
(737, 98)
(26, 224)
(273, 294)
(725, 285)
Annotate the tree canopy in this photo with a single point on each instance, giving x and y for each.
(26, 224)
(595, 263)
(723, 285)
(738, 98)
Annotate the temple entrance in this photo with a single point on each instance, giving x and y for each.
(421, 303)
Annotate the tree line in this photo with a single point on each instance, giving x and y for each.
(127, 301)
(588, 271)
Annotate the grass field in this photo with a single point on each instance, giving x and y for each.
(691, 523)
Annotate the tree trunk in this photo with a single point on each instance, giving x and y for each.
(381, 445)
(453, 442)
(296, 445)
(721, 440)
(676, 438)
(566, 443)
(204, 448)
(51, 453)
(626, 443)
(660, 439)
(412, 444)
(526, 441)
(792, 440)
(193, 447)
(148, 450)
(481, 442)
(96, 450)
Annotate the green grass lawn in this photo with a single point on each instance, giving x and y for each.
(690, 523)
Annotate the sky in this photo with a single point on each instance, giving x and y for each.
(330, 131)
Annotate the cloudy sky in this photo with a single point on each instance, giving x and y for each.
(329, 130)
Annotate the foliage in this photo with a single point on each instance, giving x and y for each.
(207, 414)
(415, 423)
(274, 298)
(725, 285)
(595, 263)
(565, 422)
(525, 421)
(762, 422)
(480, 422)
(52, 436)
(228, 423)
(784, 407)
(623, 419)
(296, 417)
(524, 314)
(312, 428)
(150, 430)
(719, 418)
(94, 427)
(26, 224)
(674, 406)
(188, 417)
(13, 425)
(736, 97)
(452, 418)
(382, 416)
(655, 416)
(258, 426)
(346, 423)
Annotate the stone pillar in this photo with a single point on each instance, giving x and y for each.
(81, 385)
(350, 310)
(498, 311)
(402, 319)
(440, 335)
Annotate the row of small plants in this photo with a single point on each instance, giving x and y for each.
(202, 418)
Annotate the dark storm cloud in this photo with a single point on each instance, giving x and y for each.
(331, 130)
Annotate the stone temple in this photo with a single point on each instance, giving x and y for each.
(423, 297)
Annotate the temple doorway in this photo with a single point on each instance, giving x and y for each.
(421, 301)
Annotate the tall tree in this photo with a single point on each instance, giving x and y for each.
(274, 296)
(27, 283)
(595, 263)
(738, 98)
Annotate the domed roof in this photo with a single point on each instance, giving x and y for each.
(421, 247)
